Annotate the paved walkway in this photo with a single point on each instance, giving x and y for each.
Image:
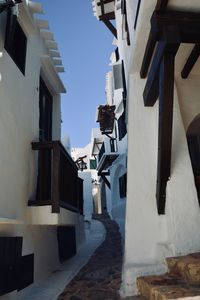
(100, 278)
(51, 288)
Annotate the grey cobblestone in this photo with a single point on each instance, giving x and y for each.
(100, 278)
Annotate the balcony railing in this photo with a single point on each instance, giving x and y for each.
(58, 183)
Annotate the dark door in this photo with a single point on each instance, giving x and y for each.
(45, 134)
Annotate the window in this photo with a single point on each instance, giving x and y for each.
(45, 134)
(93, 164)
(122, 131)
(45, 121)
(16, 41)
(117, 75)
(122, 185)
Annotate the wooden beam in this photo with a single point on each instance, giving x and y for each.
(111, 27)
(166, 97)
(161, 5)
(55, 181)
(188, 24)
(186, 21)
(170, 43)
(137, 13)
(108, 16)
(151, 43)
(103, 176)
(151, 91)
(192, 59)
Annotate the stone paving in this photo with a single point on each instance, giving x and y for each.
(100, 278)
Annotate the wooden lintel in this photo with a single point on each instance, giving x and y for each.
(166, 96)
(192, 59)
(111, 27)
(161, 5)
(170, 44)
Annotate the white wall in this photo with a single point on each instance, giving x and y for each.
(149, 238)
(117, 170)
(87, 194)
(19, 126)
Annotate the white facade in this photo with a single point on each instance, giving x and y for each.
(92, 197)
(150, 237)
(19, 126)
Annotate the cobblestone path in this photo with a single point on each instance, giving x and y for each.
(100, 278)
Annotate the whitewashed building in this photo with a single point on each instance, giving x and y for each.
(158, 44)
(86, 160)
(39, 200)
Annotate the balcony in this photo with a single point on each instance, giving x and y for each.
(59, 195)
(107, 155)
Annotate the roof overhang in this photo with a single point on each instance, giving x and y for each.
(49, 72)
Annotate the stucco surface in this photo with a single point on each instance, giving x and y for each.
(150, 237)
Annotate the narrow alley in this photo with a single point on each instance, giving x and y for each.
(100, 150)
(100, 278)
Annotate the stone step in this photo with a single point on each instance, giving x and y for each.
(188, 267)
(166, 287)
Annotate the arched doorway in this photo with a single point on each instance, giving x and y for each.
(193, 139)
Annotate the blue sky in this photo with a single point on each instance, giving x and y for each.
(85, 45)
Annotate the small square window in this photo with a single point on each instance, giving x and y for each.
(93, 164)
(16, 41)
